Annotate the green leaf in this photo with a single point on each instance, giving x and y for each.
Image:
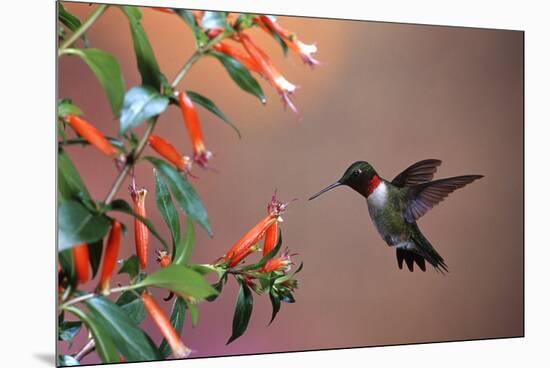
(67, 330)
(243, 311)
(69, 183)
(214, 20)
(218, 286)
(67, 361)
(67, 265)
(76, 225)
(141, 103)
(276, 305)
(166, 208)
(177, 317)
(200, 37)
(147, 63)
(71, 22)
(130, 266)
(181, 280)
(107, 70)
(194, 312)
(184, 247)
(205, 269)
(66, 107)
(121, 205)
(95, 249)
(129, 302)
(299, 268)
(210, 106)
(104, 345)
(240, 75)
(183, 193)
(130, 340)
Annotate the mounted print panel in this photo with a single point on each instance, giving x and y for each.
(234, 183)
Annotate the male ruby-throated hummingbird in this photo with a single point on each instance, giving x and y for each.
(395, 206)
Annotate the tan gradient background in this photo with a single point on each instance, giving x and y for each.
(391, 94)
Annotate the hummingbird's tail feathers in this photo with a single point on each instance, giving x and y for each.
(424, 196)
(425, 250)
(417, 173)
(410, 259)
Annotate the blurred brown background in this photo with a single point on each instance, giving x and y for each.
(391, 94)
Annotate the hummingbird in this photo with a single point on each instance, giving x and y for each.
(395, 206)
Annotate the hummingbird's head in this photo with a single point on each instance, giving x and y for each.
(357, 177)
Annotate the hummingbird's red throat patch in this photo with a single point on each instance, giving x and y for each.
(374, 182)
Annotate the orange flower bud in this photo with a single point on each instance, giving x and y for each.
(169, 152)
(140, 230)
(91, 134)
(163, 258)
(110, 257)
(282, 263)
(163, 323)
(239, 55)
(81, 258)
(275, 78)
(200, 154)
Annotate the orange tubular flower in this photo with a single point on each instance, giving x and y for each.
(239, 55)
(271, 235)
(110, 257)
(81, 258)
(277, 80)
(282, 263)
(201, 155)
(304, 50)
(92, 135)
(140, 230)
(163, 323)
(272, 232)
(169, 152)
(246, 244)
(163, 258)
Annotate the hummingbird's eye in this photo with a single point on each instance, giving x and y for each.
(356, 173)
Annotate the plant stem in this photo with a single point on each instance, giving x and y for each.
(83, 28)
(84, 297)
(86, 349)
(151, 126)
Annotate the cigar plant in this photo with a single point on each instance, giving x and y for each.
(90, 229)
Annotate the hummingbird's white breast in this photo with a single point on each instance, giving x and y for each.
(377, 199)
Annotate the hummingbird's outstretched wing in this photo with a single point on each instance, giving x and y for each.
(422, 197)
(417, 173)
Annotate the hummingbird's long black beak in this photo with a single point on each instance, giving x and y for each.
(332, 186)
